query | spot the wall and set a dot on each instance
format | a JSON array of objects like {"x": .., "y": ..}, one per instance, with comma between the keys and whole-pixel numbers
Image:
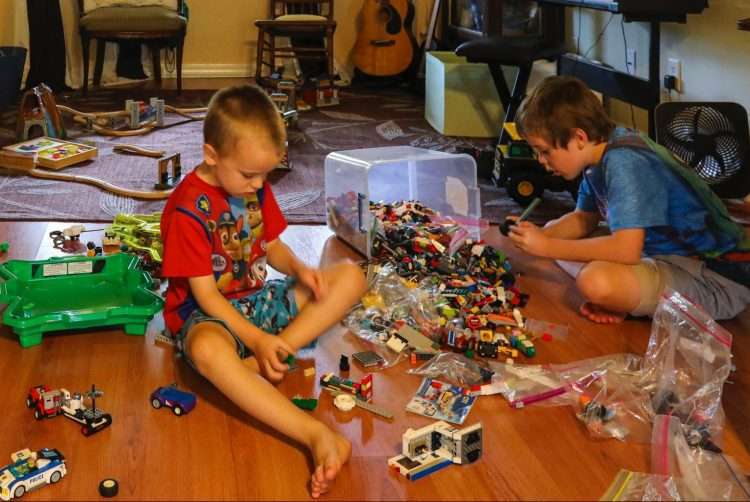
[
  {"x": 221, "y": 38},
  {"x": 714, "y": 53}
]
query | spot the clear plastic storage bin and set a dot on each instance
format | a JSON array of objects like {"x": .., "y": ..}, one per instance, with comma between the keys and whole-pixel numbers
[{"x": 442, "y": 181}]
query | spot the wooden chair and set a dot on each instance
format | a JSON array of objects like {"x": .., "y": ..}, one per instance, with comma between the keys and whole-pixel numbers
[
  {"x": 295, "y": 18},
  {"x": 156, "y": 26}
]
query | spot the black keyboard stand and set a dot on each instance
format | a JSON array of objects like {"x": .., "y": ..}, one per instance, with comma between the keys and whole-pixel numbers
[
  {"x": 637, "y": 91},
  {"x": 643, "y": 93}
]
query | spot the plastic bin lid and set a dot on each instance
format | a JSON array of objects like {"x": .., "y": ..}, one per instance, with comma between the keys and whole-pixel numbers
[{"x": 390, "y": 154}]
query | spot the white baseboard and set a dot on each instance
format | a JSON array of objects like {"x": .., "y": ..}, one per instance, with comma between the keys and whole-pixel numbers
[{"x": 207, "y": 70}]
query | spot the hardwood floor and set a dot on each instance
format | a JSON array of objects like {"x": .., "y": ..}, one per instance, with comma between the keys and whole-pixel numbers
[{"x": 218, "y": 452}]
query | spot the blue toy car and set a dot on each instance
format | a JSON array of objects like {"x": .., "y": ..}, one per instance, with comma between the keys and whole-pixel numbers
[{"x": 180, "y": 401}]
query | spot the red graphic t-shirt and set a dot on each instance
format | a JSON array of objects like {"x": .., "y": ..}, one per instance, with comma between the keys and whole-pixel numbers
[{"x": 206, "y": 231}]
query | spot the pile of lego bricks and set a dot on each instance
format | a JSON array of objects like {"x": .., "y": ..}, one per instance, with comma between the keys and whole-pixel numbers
[{"x": 478, "y": 298}]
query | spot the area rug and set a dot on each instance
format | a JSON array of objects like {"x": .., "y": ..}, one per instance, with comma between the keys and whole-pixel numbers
[{"x": 365, "y": 118}]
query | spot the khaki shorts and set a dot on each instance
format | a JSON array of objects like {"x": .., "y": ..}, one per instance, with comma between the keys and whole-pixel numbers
[{"x": 720, "y": 297}]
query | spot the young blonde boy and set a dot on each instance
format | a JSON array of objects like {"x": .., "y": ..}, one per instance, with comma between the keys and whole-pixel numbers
[
  {"x": 661, "y": 220},
  {"x": 220, "y": 227}
]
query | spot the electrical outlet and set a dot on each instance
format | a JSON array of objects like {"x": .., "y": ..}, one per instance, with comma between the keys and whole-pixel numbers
[
  {"x": 630, "y": 62},
  {"x": 674, "y": 68}
]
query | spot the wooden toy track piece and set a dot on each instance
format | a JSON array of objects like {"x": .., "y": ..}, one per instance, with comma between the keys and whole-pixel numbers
[
  {"x": 25, "y": 164},
  {"x": 188, "y": 112},
  {"x": 105, "y": 131},
  {"x": 138, "y": 150},
  {"x": 98, "y": 121}
]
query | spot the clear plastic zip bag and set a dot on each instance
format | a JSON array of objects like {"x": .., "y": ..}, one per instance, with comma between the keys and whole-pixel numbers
[
  {"x": 687, "y": 362},
  {"x": 705, "y": 475},
  {"x": 605, "y": 393},
  {"x": 629, "y": 485},
  {"x": 456, "y": 369},
  {"x": 526, "y": 384}
]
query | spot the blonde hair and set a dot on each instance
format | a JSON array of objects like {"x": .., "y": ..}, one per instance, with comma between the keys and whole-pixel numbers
[
  {"x": 558, "y": 106},
  {"x": 237, "y": 106}
]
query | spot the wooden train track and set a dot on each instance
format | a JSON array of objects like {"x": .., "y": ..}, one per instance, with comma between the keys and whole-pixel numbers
[{"x": 26, "y": 165}]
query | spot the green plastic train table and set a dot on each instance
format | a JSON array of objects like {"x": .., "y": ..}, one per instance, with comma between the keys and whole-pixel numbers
[{"x": 76, "y": 293}]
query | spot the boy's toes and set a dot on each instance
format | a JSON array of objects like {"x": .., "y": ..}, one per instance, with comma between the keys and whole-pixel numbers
[
  {"x": 600, "y": 315},
  {"x": 317, "y": 487}
]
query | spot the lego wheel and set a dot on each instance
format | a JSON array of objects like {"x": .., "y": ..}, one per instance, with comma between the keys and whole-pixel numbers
[
  {"x": 29, "y": 402},
  {"x": 55, "y": 477},
  {"x": 108, "y": 487},
  {"x": 19, "y": 491},
  {"x": 86, "y": 430},
  {"x": 177, "y": 410},
  {"x": 38, "y": 415},
  {"x": 156, "y": 403},
  {"x": 524, "y": 188}
]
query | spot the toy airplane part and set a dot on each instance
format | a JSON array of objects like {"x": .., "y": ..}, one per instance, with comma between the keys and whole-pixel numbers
[
  {"x": 26, "y": 164},
  {"x": 426, "y": 450}
]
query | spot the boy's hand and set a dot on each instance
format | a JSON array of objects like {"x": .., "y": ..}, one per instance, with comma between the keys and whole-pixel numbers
[
  {"x": 529, "y": 238},
  {"x": 313, "y": 279},
  {"x": 270, "y": 352}
]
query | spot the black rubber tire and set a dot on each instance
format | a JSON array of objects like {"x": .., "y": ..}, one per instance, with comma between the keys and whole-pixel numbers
[
  {"x": 525, "y": 187},
  {"x": 108, "y": 487}
]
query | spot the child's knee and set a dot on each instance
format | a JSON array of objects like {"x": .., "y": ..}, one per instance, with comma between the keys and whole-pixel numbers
[
  {"x": 594, "y": 282},
  {"x": 205, "y": 343},
  {"x": 351, "y": 274}
]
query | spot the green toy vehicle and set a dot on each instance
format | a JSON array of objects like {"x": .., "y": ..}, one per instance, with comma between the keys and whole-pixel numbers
[{"x": 517, "y": 170}]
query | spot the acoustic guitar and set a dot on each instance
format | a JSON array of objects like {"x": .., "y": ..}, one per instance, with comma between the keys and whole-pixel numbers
[{"x": 385, "y": 45}]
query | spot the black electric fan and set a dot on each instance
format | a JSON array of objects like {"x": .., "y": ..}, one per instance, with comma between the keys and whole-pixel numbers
[{"x": 712, "y": 138}]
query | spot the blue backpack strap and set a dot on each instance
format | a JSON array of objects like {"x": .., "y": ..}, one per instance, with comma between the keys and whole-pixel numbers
[{"x": 719, "y": 220}]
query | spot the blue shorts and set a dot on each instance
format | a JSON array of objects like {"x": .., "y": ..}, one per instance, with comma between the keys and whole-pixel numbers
[{"x": 271, "y": 309}]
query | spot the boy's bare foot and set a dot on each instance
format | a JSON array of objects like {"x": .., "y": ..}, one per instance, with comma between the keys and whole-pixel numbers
[
  {"x": 601, "y": 315},
  {"x": 330, "y": 452}
]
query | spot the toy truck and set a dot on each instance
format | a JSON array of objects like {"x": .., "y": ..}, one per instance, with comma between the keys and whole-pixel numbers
[
  {"x": 30, "y": 470},
  {"x": 47, "y": 403},
  {"x": 517, "y": 170}
]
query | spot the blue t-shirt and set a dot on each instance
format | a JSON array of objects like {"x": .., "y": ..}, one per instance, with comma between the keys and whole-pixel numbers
[{"x": 633, "y": 188}]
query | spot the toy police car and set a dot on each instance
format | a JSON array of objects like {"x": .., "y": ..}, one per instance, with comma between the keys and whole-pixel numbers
[
  {"x": 30, "y": 470},
  {"x": 180, "y": 401}
]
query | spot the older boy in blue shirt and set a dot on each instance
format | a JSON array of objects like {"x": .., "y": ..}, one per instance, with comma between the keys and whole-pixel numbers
[{"x": 662, "y": 221}]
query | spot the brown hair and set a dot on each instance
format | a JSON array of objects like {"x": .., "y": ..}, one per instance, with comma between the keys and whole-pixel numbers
[
  {"x": 241, "y": 105},
  {"x": 558, "y": 106}
]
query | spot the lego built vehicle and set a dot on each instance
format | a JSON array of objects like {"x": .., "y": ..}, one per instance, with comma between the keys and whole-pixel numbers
[
  {"x": 517, "y": 170},
  {"x": 48, "y": 403},
  {"x": 180, "y": 401},
  {"x": 426, "y": 450},
  {"x": 30, "y": 470}
]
